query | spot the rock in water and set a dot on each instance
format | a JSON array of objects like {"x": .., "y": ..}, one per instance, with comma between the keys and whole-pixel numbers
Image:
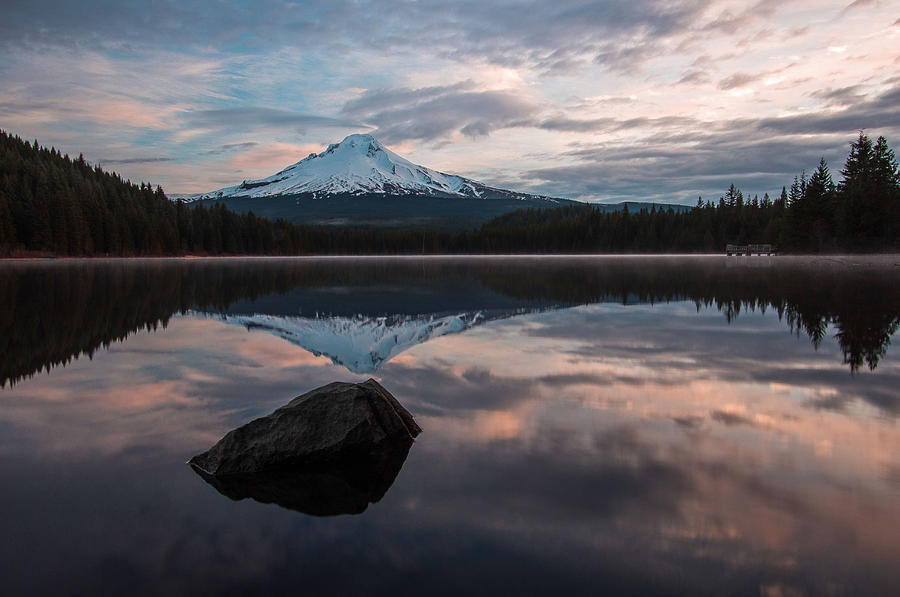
[
  {"x": 336, "y": 422},
  {"x": 330, "y": 451}
]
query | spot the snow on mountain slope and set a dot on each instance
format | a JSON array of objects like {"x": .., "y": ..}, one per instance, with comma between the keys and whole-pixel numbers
[{"x": 358, "y": 164}]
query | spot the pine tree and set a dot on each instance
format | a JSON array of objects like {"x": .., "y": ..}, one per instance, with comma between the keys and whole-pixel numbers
[
  {"x": 796, "y": 193},
  {"x": 855, "y": 222},
  {"x": 734, "y": 197},
  {"x": 887, "y": 193},
  {"x": 817, "y": 209}
]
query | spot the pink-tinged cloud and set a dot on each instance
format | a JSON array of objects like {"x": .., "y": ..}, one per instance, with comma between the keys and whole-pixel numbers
[
  {"x": 259, "y": 161},
  {"x": 500, "y": 108},
  {"x": 858, "y": 4}
]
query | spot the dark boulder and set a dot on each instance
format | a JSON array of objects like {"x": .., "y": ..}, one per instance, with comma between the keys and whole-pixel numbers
[{"x": 330, "y": 451}]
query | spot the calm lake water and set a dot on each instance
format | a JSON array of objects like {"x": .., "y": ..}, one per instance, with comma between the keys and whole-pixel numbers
[{"x": 634, "y": 426}]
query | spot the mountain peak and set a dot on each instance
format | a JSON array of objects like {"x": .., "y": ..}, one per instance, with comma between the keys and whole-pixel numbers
[
  {"x": 359, "y": 164},
  {"x": 359, "y": 139},
  {"x": 359, "y": 142}
]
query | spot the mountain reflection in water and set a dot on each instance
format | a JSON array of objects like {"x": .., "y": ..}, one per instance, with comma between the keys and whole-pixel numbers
[
  {"x": 53, "y": 312},
  {"x": 635, "y": 425}
]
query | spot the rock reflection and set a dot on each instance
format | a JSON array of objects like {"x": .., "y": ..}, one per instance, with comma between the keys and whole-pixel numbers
[{"x": 342, "y": 488}]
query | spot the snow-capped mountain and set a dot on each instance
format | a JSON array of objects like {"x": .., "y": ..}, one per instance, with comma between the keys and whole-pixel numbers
[{"x": 359, "y": 165}]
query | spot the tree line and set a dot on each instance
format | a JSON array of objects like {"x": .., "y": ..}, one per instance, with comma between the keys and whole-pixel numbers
[
  {"x": 814, "y": 215},
  {"x": 50, "y": 203},
  {"x": 53, "y": 204}
]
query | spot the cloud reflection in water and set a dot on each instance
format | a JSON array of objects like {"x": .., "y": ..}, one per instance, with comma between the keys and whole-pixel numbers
[{"x": 650, "y": 449}]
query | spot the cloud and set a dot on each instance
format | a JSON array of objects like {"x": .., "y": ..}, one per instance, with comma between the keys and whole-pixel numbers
[
  {"x": 738, "y": 80},
  {"x": 694, "y": 76},
  {"x": 760, "y": 36},
  {"x": 880, "y": 112},
  {"x": 842, "y": 96},
  {"x": 627, "y": 58},
  {"x": 133, "y": 24},
  {"x": 251, "y": 117},
  {"x": 436, "y": 113},
  {"x": 856, "y": 5},
  {"x": 229, "y": 147},
  {"x": 704, "y": 157},
  {"x": 688, "y": 422},
  {"x": 562, "y": 123},
  {"x": 731, "y": 23},
  {"x": 553, "y": 37},
  {"x": 729, "y": 418},
  {"x": 741, "y": 79},
  {"x": 608, "y": 100},
  {"x": 176, "y": 79},
  {"x": 705, "y": 166},
  {"x": 148, "y": 160},
  {"x": 258, "y": 159},
  {"x": 381, "y": 98}
]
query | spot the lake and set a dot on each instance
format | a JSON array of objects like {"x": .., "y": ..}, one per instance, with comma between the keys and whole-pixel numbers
[{"x": 621, "y": 425}]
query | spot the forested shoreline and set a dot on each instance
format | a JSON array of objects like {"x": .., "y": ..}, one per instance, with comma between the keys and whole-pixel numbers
[{"x": 52, "y": 204}]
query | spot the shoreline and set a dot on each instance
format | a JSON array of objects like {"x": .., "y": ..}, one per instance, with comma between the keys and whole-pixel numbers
[{"x": 868, "y": 257}]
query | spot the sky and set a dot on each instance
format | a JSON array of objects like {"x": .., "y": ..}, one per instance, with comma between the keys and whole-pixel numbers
[{"x": 604, "y": 101}]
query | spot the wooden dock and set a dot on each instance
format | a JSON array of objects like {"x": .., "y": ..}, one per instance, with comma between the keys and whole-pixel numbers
[{"x": 749, "y": 250}]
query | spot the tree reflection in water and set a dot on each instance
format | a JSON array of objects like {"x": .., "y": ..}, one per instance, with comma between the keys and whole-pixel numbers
[{"x": 52, "y": 312}]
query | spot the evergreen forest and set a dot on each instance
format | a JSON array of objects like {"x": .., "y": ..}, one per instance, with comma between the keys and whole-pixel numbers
[{"x": 51, "y": 204}]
